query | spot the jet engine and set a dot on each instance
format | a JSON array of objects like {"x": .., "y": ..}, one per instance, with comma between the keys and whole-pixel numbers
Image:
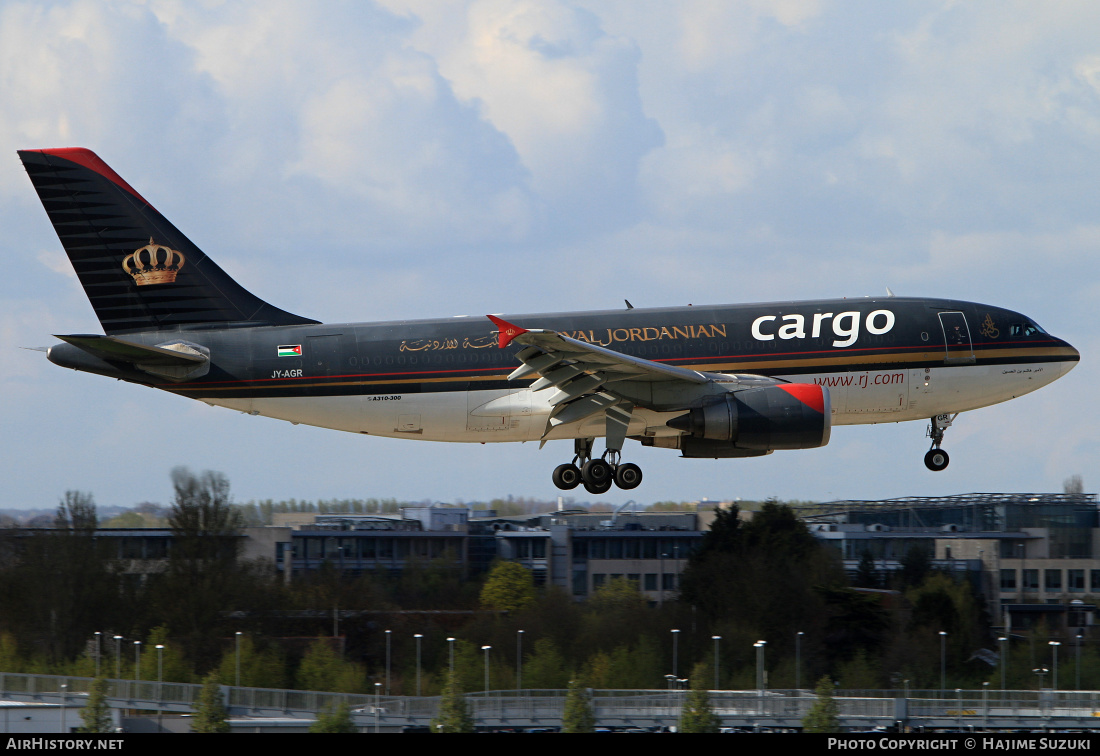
[{"x": 783, "y": 416}]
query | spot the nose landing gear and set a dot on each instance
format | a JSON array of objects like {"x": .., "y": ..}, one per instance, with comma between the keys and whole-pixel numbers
[{"x": 937, "y": 459}]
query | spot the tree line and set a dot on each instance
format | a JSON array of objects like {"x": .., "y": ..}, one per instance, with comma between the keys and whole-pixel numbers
[{"x": 64, "y": 598}]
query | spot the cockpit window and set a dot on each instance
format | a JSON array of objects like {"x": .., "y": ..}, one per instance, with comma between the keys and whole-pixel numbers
[{"x": 1026, "y": 328}]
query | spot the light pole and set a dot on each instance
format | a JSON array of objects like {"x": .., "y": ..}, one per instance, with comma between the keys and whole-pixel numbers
[
  {"x": 1077, "y": 681},
  {"x": 418, "y": 636},
  {"x": 137, "y": 661},
  {"x": 98, "y": 639},
  {"x": 798, "y": 660},
  {"x": 1004, "y": 659},
  {"x": 160, "y": 680},
  {"x": 1054, "y": 645},
  {"x": 377, "y": 704},
  {"x": 519, "y": 661},
  {"x": 238, "y": 659},
  {"x": 985, "y": 705},
  {"x": 943, "y": 662},
  {"x": 675, "y": 652},
  {"x": 716, "y": 638},
  {"x": 118, "y": 657},
  {"x": 64, "y": 696},
  {"x": 451, "y": 643},
  {"x": 759, "y": 646},
  {"x": 486, "y": 650},
  {"x": 389, "y": 634}
]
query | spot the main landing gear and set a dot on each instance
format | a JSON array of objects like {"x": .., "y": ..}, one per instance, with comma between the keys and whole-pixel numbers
[
  {"x": 937, "y": 459},
  {"x": 596, "y": 475}
]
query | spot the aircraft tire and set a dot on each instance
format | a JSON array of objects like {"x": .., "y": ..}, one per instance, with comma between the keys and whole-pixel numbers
[
  {"x": 597, "y": 472},
  {"x": 936, "y": 459},
  {"x": 567, "y": 476},
  {"x": 598, "y": 488},
  {"x": 628, "y": 476}
]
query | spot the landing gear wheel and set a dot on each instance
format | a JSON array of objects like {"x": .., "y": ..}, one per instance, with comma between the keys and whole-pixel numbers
[
  {"x": 936, "y": 459},
  {"x": 628, "y": 476},
  {"x": 597, "y": 472},
  {"x": 598, "y": 488},
  {"x": 567, "y": 476}
]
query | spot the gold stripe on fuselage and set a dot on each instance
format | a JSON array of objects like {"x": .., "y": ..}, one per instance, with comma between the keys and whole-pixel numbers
[{"x": 799, "y": 365}]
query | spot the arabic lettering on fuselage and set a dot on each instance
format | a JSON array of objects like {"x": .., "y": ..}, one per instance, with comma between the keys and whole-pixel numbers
[{"x": 435, "y": 345}]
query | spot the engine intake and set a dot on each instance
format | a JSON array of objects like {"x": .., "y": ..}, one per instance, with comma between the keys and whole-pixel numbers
[{"x": 784, "y": 416}]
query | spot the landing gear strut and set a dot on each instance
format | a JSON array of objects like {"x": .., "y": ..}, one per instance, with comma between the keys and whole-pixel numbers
[
  {"x": 597, "y": 474},
  {"x": 937, "y": 459}
]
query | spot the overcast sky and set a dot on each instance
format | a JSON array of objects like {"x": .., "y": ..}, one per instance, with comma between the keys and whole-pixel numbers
[{"x": 360, "y": 161}]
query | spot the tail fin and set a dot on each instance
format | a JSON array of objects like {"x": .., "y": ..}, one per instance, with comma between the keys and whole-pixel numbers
[{"x": 138, "y": 270}]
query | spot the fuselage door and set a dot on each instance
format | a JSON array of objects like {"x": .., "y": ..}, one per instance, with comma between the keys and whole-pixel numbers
[
  {"x": 326, "y": 355},
  {"x": 956, "y": 335}
]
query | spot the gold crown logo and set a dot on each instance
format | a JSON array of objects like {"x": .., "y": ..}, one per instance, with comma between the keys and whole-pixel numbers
[{"x": 153, "y": 264}]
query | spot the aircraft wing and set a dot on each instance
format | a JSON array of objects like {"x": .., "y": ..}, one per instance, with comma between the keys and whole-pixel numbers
[{"x": 585, "y": 375}]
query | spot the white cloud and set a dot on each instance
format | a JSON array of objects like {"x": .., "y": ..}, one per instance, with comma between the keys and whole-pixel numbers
[
  {"x": 562, "y": 90},
  {"x": 410, "y": 157}
]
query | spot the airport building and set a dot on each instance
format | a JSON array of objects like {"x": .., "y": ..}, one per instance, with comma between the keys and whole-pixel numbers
[
  {"x": 1031, "y": 556},
  {"x": 573, "y": 549}
]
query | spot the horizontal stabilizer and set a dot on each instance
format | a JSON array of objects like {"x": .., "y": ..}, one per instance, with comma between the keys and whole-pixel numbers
[{"x": 114, "y": 349}]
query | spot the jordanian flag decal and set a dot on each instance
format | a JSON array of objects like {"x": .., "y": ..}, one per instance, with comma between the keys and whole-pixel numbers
[{"x": 290, "y": 350}]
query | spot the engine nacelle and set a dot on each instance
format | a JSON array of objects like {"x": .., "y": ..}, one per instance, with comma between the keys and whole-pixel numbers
[{"x": 783, "y": 416}]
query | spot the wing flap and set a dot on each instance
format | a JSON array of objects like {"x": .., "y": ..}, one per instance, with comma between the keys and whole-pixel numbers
[{"x": 590, "y": 379}]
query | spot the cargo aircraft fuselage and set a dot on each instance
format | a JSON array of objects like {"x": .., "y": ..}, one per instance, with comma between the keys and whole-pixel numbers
[{"x": 711, "y": 381}]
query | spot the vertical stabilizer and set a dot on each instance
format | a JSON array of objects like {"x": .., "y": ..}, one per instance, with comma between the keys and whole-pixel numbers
[{"x": 139, "y": 272}]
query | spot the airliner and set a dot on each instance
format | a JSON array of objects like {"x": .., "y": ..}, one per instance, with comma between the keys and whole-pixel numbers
[{"x": 718, "y": 381}]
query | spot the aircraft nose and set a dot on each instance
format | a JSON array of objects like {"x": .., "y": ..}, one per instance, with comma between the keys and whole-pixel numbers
[{"x": 1073, "y": 357}]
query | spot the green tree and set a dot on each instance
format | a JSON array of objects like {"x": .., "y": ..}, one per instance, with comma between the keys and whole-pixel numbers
[
  {"x": 210, "y": 712},
  {"x": 169, "y": 662},
  {"x": 546, "y": 667},
  {"x": 915, "y": 567},
  {"x": 763, "y": 577},
  {"x": 614, "y": 615},
  {"x": 336, "y": 719},
  {"x": 96, "y": 714},
  {"x": 204, "y": 578},
  {"x": 942, "y": 603},
  {"x": 509, "y": 587},
  {"x": 60, "y": 585},
  {"x": 203, "y": 518},
  {"x": 259, "y": 669},
  {"x": 637, "y": 666},
  {"x": 323, "y": 669},
  {"x": 578, "y": 715},
  {"x": 698, "y": 715},
  {"x": 866, "y": 574},
  {"x": 823, "y": 716},
  {"x": 454, "y": 714}
]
